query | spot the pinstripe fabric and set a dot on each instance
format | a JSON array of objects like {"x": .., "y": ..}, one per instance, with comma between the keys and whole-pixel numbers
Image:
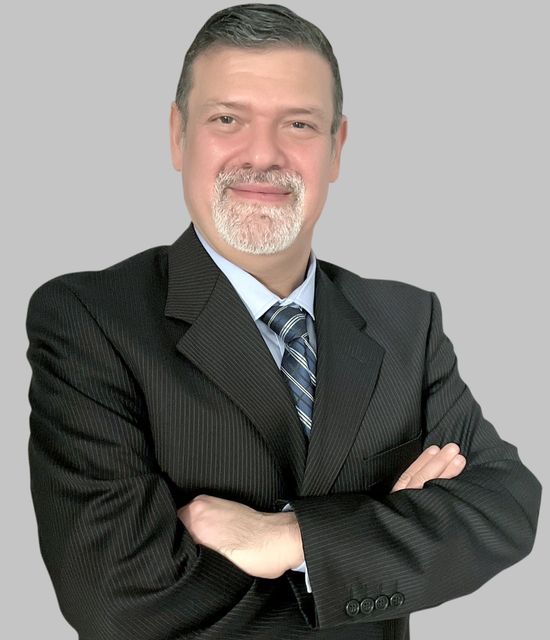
[
  {"x": 299, "y": 360},
  {"x": 141, "y": 399}
]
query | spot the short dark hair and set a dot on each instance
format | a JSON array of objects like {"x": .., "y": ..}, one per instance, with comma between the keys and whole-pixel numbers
[{"x": 260, "y": 26}]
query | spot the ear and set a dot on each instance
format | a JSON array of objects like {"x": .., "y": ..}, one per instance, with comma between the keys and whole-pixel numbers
[
  {"x": 339, "y": 139},
  {"x": 176, "y": 137}
]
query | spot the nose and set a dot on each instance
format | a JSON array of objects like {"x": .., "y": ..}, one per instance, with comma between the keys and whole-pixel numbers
[{"x": 263, "y": 150}]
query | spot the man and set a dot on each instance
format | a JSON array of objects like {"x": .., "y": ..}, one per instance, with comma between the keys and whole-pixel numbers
[{"x": 233, "y": 439}]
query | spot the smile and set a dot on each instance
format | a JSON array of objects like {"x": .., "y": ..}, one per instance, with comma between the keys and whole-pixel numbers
[{"x": 260, "y": 192}]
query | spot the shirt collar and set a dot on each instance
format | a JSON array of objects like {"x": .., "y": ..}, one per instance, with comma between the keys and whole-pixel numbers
[{"x": 256, "y": 296}]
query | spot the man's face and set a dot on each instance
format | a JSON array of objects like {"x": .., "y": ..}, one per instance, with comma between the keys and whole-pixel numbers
[{"x": 257, "y": 154}]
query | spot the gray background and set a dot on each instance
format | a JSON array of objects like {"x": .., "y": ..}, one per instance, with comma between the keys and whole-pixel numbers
[{"x": 444, "y": 185}]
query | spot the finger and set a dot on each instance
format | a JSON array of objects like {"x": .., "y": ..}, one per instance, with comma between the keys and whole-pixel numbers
[
  {"x": 415, "y": 467},
  {"x": 454, "y": 468},
  {"x": 435, "y": 467}
]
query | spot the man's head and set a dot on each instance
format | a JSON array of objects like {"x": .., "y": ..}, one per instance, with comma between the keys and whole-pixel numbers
[
  {"x": 257, "y": 128},
  {"x": 257, "y": 26}
]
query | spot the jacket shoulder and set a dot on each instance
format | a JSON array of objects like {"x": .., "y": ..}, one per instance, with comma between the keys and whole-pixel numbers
[
  {"x": 366, "y": 293},
  {"x": 397, "y": 314},
  {"x": 139, "y": 274}
]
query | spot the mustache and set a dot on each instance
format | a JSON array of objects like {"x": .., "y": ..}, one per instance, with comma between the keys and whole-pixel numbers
[{"x": 289, "y": 180}]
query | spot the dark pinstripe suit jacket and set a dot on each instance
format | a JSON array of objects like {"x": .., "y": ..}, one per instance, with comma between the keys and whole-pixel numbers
[{"x": 151, "y": 384}]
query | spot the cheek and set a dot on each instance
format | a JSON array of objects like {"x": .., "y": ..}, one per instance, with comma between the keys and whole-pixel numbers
[
  {"x": 208, "y": 152},
  {"x": 317, "y": 182},
  {"x": 200, "y": 171},
  {"x": 313, "y": 162}
]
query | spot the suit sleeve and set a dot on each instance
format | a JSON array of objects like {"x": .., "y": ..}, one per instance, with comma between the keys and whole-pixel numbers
[
  {"x": 431, "y": 545},
  {"x": 122, "y": 564}
]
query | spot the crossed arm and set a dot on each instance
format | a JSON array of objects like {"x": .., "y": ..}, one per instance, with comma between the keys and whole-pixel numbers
[
  {"x": 123, "y": 566},
  {"x": 265, "y": 545}
]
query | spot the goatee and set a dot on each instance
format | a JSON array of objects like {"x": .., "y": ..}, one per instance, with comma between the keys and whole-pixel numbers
[{"x": 254, "y": 227}]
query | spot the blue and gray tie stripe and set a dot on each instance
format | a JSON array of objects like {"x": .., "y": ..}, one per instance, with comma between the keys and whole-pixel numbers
[{"x": 299, "y": 360}]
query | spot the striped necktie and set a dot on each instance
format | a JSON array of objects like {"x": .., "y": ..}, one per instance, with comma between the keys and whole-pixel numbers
[{"x": 299, "y": 360}]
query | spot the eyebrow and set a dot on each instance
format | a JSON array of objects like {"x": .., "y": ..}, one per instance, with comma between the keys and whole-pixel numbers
[{"x": 242, "y": 106}]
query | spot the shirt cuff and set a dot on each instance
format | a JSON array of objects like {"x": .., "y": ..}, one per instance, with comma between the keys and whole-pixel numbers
[{"x": 302, "y": 567}]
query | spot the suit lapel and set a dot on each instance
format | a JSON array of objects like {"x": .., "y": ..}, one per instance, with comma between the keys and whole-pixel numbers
[
  {"x": 225, "y": 344},
  {"x": 348, "y": 363}
]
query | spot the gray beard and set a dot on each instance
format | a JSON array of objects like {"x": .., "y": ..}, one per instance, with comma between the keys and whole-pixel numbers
[{"x": 253, "y": 227}]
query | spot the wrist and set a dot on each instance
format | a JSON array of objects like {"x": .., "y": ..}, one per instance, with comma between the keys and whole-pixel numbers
[
  {"x": 283, "y": 528},
  {"x": 296, "y": 545}
]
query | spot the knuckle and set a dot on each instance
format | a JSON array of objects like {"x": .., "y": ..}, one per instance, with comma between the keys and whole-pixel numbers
[
  {"x": 404, "y": 478},
  {"x": 417, "y": 482},
  {"x": 421, "y": 477}
]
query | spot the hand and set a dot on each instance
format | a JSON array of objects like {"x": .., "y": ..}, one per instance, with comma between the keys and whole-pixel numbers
[
  {"x": 433, "y": 463},
  {"x": 264, "y": 545}
]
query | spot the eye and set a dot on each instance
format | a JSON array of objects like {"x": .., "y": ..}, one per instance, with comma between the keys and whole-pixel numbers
[
  {"x": 300, "y": 125},
  {"x": 226, "y": 119}
]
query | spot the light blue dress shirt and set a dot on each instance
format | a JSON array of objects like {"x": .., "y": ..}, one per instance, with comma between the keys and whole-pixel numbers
[{"x": 258, "y": 299}]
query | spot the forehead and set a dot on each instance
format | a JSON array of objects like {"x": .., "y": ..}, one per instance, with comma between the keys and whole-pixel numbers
[{"x": 274, "y": 75}]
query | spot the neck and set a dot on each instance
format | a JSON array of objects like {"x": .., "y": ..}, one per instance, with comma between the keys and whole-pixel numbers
[
  {"x": 279, "y": 272},
  {"x": 279, "y": 277}
]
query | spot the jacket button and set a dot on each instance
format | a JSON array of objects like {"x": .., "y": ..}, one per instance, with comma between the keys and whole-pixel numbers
[
  {"x": 367, "y": 606},
  {"x": 352, "y": 608},
  {"x": 397, "y": 599},
  {"x": 382, "y": 602}
]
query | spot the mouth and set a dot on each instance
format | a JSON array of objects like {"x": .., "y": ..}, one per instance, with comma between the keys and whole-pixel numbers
[{"x": 262, "y": 192}]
